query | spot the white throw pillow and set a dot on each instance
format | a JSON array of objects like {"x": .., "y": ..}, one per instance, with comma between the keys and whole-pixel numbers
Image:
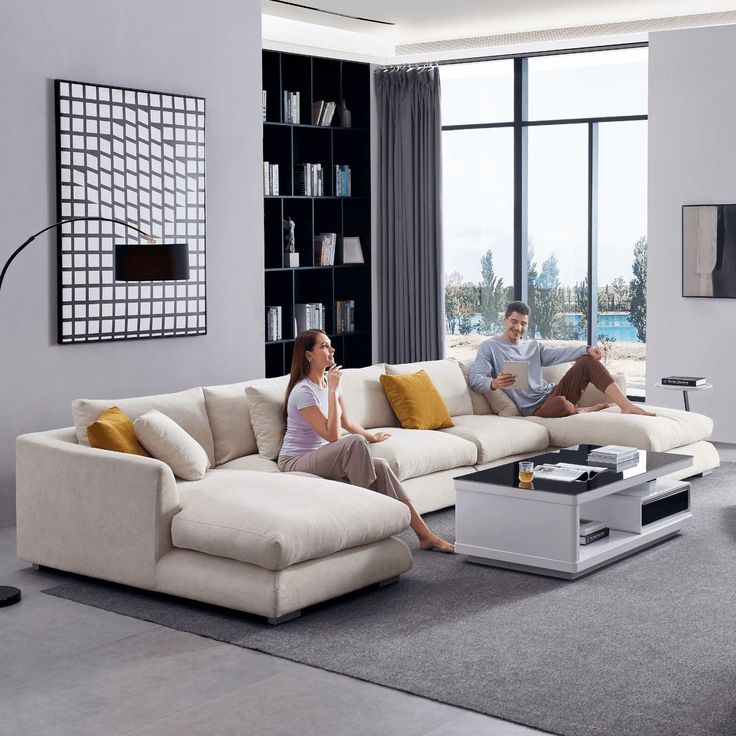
[
  {"x": 266, "y": 403},
  {"x": 165, "y": 440}
]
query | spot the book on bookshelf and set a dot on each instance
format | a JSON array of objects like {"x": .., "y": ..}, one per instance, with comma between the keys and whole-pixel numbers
[
  {"x": 270, "y": 178},
  {"x": 310, "y": 180},
  {"x": 344, "y": 316},
  {"x": 342, "y": 180},
  {"x": 324, "y": 249},
  {"x": 291, "y": 107},
  {"x": 691, "y": 381},
  {"x": 310, "y": 316},
  {"x": 318, "y": 108},
  {"x": 273, "y": 323}
]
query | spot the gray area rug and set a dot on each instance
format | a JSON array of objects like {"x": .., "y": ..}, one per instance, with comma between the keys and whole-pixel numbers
[{"x": 646, "y": 646}]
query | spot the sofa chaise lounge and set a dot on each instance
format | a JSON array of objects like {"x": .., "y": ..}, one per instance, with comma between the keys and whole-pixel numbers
[{"x": 250, "y": 538}]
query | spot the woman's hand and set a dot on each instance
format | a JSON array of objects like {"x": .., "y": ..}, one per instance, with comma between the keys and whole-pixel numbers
[
  {"x": 334, "y": 376},
  {"x": 377, "y": 437}
]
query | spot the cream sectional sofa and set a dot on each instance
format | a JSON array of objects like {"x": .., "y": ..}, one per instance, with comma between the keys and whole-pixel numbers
[{"x": 250, "y": 538}]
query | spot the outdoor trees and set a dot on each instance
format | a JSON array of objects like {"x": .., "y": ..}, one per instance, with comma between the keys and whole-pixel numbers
[
  {"x": 461, "y": 303},
  {"x": 638, "y": 290},
  {"x": 492, "y": 296}
]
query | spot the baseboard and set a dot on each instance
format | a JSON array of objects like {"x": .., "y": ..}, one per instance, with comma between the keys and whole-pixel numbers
[{"x": 726, "y": 451}]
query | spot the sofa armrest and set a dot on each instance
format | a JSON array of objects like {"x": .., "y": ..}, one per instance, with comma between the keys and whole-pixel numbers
[{"x": 94, "y": 512}]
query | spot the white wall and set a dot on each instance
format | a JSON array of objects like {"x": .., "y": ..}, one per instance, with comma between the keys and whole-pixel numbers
[
  {"x": 208, "y": 49},
  {"x": 692, "y": 160}
]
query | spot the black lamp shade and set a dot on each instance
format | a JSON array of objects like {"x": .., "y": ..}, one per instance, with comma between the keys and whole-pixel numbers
[{"x": 151, "y": 262}]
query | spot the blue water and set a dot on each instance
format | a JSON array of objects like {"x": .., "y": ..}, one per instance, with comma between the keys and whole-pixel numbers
[{"x": 616, "y": 326}]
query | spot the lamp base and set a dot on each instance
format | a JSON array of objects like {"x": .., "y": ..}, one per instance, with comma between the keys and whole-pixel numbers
[{"x": 8, "y": 595}]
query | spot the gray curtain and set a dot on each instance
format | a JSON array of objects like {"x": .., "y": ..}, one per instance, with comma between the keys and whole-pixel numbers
[{"x": 409, "y": 253}]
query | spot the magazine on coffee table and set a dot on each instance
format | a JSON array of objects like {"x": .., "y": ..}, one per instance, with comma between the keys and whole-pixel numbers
[{"x": 567, "y": 472}]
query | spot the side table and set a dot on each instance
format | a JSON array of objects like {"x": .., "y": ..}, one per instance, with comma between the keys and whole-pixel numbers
[{"x": 684, "y": 390}]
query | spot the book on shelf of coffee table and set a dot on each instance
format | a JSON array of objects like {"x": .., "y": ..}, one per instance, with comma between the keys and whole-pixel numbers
[
  {"x": 592, "y": 531},
  {"x": 687, "y": 381}
]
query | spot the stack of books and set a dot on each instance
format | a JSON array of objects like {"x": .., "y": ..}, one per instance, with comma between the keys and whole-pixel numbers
[
  {"x": 614, "y": 456},
  {"x": 344, "y": 316},
  {"x": 324, "y": 249},
  {"x": 310, "y": 180},
  {"x": 273, "y": 323},
  {"x": 265, "y": 97},
  {"x": 309, "y": 317},
  {"x": 270, "y": 178},
  {"x": 322, "y": 112},
  {"x": 291, "y": 107},
  {"x": 592, "y": 531},
  {"x": 342, "y": 180},
  {"x": 687, "y": 381}
]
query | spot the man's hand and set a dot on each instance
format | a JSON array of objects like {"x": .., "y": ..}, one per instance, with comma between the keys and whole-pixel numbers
[
  {"x": 503, "y": 380},
  {"x": 596, "y": 352}
]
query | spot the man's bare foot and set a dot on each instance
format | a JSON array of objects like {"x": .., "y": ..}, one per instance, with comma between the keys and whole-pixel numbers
[
  {"x": 437, "y": 543},
  {"x": 595, "y": 407},
  {"x": 634, "y": 409}
]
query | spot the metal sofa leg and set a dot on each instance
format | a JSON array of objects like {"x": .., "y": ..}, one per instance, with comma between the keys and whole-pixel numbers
[
  {"x": 389, "y": 581},
  {"x": 283, "y": 619}
]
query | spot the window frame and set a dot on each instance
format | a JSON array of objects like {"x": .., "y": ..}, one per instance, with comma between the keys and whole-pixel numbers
[{"x": 520, "y": 127}]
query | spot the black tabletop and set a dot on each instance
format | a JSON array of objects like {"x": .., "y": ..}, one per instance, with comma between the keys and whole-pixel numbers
[{"x": 508, "y": 475}]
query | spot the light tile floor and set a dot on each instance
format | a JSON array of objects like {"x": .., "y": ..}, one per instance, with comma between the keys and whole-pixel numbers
[{"x": 72, "y": 670}]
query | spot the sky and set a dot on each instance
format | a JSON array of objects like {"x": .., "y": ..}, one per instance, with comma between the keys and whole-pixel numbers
[{"x": 478, "y": 164}]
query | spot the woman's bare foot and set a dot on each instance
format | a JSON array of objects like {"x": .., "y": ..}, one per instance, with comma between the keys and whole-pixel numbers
[
  {"x": 437, "y": 543},
  {"x": 634, "y": 409},
  {"x": 595, "y": 407}
]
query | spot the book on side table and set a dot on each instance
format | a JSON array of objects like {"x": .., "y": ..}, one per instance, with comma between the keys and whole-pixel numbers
[{"x": 687, "y": 381}]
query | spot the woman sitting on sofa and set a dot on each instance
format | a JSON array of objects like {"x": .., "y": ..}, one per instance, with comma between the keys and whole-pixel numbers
[{"x": 315, "y": 411}]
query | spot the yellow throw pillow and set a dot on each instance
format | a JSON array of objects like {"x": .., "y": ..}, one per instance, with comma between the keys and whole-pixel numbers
[
  {"x": 113, "y": 430},
  {"x": 415, "y": 401}
]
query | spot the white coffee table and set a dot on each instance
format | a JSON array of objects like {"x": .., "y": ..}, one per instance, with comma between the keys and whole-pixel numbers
[{"x": 501, "y": 524}]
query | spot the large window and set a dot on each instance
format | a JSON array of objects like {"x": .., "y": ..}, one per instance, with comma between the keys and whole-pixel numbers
[{"x": 545, "y": 199}]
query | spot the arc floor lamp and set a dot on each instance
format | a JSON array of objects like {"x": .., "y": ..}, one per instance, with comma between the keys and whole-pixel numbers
[{"x": 151, "y": 261}]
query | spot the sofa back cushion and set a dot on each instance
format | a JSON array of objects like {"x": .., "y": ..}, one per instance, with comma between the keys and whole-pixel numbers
[
  {"x": 364, "y": 397},
  {"x": 266, "y": 402},
  {"x": 230, "y": 422},
  {"x": 416, "y": 401},
  {"x": 447, "y": 378},
  {"x": 186, "y": 408},
  {"x": 478, "y": 401}
]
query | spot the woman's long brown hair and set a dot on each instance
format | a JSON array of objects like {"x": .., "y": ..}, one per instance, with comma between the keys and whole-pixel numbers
[{"x": 299, "y": 364}]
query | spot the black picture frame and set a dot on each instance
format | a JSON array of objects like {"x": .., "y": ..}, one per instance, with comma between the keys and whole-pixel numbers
[
  {"x": 709, "y": 251},
  {"x": 137, "y": 156}
]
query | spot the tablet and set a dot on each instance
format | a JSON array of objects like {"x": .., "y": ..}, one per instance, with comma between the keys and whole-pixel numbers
[{"x": 520, "y": 370}]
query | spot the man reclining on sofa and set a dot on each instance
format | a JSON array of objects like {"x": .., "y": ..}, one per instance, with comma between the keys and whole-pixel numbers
[{"x": 543, "y": 399}]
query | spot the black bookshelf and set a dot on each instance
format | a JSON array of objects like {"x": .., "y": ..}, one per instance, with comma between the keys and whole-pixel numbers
[{"x": 290, "y": 145}]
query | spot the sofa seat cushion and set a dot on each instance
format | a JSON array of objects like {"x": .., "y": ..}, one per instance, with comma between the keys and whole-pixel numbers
[
  {"x": 496, "y": 437},
  {"x": 275, "y": 520},
  {"x": 251, "y": 462},
  {"x": 415, "y": 452},
  {"x": 670, "y": 428}
]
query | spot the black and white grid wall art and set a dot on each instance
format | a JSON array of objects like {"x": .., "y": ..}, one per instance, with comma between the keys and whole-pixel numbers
[{"x": 138, "y": 157}]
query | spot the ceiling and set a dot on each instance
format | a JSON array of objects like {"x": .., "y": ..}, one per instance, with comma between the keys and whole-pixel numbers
[{"x": 412, "y": 26}]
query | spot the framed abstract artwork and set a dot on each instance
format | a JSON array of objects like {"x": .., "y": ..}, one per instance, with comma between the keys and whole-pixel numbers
[
  {"x": 709, "y": 250},
  {"x": 135, "y": 156}
]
